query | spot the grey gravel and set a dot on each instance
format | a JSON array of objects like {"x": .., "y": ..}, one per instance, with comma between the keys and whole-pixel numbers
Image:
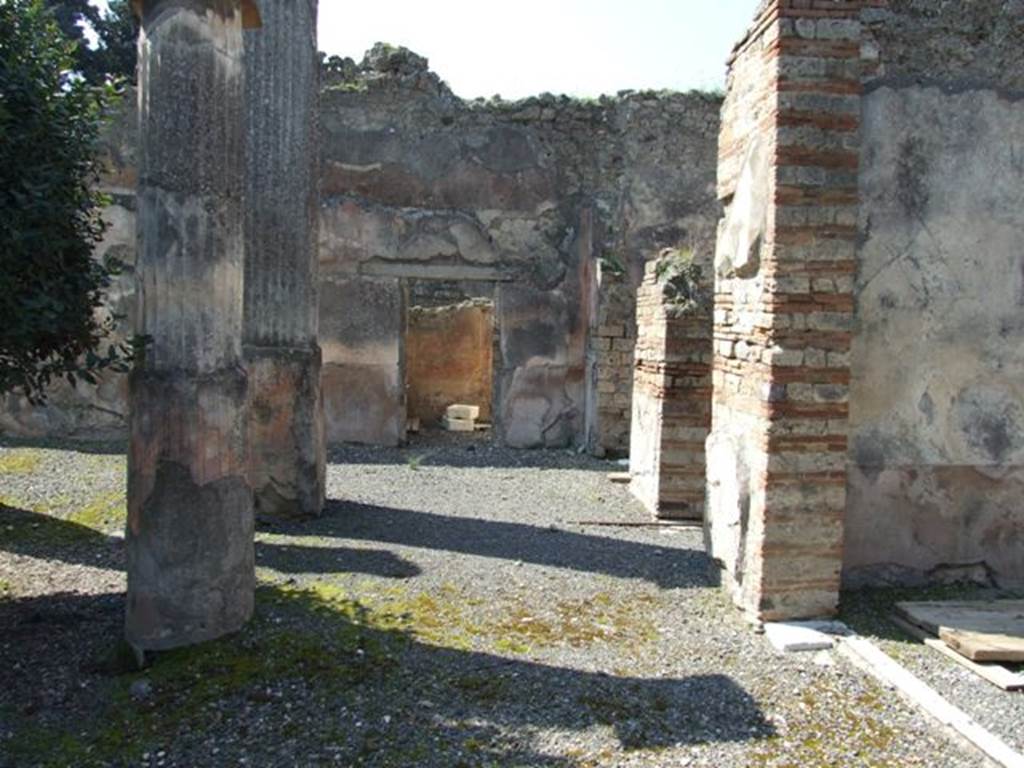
[
  {"x": 1001, "y": 712},
  {"x": 519, "y": 634}
]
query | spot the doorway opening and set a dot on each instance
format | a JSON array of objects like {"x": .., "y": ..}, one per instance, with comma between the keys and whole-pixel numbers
[{"x": 450, "y": 350}]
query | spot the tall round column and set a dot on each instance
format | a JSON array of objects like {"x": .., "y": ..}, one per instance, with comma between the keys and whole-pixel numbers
[
  {"x": 281, "y": 215},
  {"x": 191, "y": 574}
]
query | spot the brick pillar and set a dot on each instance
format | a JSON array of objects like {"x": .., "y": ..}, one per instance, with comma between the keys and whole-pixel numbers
[
  {"x": 611, "y": 342},
  {"x": 191, "y": 574},
  {"x": 789, "y": 153},
  {"x": 671, "y": 390},
  {"x": 281, "y": 269}
]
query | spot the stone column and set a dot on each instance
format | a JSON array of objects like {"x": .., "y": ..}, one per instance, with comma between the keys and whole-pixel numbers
[
  {"x": 281, "y": 299},
  {"x": 191, "y": 574}
]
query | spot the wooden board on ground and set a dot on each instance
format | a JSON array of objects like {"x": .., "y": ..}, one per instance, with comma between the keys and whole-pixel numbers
[
  {"x": 996, "y": 674},
  {"x": 619, "y": 477},
  {"x": 981, "y": 630}
]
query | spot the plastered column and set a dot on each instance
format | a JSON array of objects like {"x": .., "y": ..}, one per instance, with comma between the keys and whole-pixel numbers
[
  {"x": 281, "y": 303},
  {"x": 189, "y": 537}
]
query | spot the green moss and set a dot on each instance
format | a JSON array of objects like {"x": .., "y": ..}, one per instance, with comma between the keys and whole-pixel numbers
[
  {"x": 854, "y": 724},
  {"x": 578, "y": 623},
  {"x": 337, "y": 656},
  {"x": 20, "y": 461},
  {"x": 483, "y": 688},
  {"x": 434, "y": 618},
  {"x": 681, "y": 279},
  {"x": 444, "y": 618},
  {"x": 107, "y": 512},
  {"x": 510, "y": 646},
  {"x": 354, "y": 86}
]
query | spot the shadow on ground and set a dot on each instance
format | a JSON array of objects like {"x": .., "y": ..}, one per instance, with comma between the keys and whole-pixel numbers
[
  {"x": 437, "y": 448},
  {"x": 39, "y": 535},
  {"x": 668, "y": 567},
  {"x": 93, "y": 447},
  {"x": 357, "y": 686},
  {"x": 45, "y": 536}
]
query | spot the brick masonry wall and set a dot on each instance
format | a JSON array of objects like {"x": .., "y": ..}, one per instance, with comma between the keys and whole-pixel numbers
[
  {"x": 610, "y": 362},
  {"x": 671, "y": 402},
  {"x": 785, "y": 265}
]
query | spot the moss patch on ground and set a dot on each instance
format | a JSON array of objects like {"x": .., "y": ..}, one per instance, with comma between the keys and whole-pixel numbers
[
  {"x": 330, "y": 642},
  {"x": 106, "y": 513},
  {"x": 446, "y": 617},
  {"x": 20, "y": 461},
  {"x": 59, "y": 522},
  {"x": 855, "y": 725},
  {"x": 578, "y": 623}
]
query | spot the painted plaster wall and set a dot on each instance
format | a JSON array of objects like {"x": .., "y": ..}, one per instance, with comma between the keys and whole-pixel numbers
[
  {"x": 514, "y": 200},
  {"x": 449, "y": 359},
  {"x": 936, "y": 483}
]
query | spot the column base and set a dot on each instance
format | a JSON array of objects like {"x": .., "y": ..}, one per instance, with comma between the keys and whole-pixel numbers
[
  {"x": 286, "y": 433},
  {"x": 191, "y": 565}
]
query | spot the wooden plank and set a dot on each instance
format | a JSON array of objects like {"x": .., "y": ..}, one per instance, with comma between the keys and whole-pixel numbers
[
  {"x": 619, "y": 477},
  {"x": 638, "y": 524},
  {"x": 998, "y": 675},
  {"x": 981, "y": 630}
]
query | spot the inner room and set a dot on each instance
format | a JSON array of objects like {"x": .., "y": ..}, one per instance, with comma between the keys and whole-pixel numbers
[{"x": 450, "y": 340}]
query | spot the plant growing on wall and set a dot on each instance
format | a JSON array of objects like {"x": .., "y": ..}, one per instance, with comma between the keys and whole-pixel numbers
[
  {"x": 681, "y": 280},
  {"x": 51, "y": 321},
  {"x": 612, "y": 264}
]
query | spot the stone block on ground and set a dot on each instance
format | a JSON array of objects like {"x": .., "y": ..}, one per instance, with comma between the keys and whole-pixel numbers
[
  {"x": 801, "y": 636},
  {"x": 459, "y": 425},
  {"x": 463, "y": 412}
]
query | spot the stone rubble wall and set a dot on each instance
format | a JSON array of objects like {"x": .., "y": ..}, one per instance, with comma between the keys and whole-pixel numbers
[
  {"x": 671, "y": 402},
  {"x": 528, "y": 196},
  {"x": 420, "y": 187}
]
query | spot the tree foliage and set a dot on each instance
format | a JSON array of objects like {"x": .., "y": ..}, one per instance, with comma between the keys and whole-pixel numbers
[
  {"x": 51, "y": 319},
  {"x": 114, "y": 55}
]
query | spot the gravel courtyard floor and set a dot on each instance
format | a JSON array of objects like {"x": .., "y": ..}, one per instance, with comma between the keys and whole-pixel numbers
[{"x": 455, "y": 606}]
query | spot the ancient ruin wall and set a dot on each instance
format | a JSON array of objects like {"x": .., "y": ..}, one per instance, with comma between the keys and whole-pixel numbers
[
  {"x": 426, "y": 195},
  {"x": 672, "y": 387},
  {"x": 421, "y": 186},
  {"x": 449, "y": 359},
  {"x": 936, "y": 473},
  {"x": 783, "y": 308}
]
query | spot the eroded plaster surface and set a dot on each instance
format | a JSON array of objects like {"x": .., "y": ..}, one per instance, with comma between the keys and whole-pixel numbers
[{"x": 937, "y": 399}]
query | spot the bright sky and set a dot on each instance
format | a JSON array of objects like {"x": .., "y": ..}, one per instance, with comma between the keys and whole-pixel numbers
[{"x": 523, "y": 47}]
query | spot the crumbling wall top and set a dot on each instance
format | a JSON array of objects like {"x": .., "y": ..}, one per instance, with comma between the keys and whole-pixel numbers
[{"x": 950, "y": 42}]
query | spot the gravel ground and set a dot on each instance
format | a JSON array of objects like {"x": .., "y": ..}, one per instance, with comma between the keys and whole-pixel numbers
[
  {"x": 1000, "y": 711},
  {"x": 456, "y": 605}
]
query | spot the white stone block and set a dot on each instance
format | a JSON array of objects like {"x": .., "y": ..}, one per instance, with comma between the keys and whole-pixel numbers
[
  {"x": 797, "y": 637},
  {"x": 466, "y": 412},
  {"x": 459, "y": 425}
]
